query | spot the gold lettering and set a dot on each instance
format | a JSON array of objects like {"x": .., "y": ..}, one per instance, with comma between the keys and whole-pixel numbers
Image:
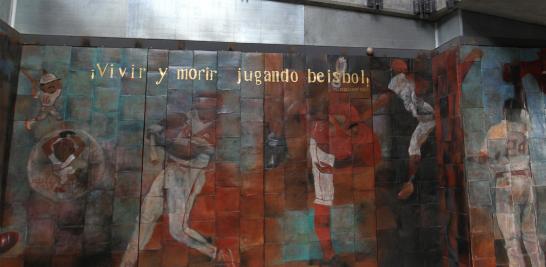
[
  {"x": 311, "y": 76},
  {"x": 247, "y": 76},
  {"x": 354, "y": 78},
  {"x": 294, "y": 77},
  {"x": 320, "y": 77},
  {"x": 122, "y": 72},
  {"x": 102, "y": 71},
  {"x": 275, "y": 74},
  {"x": 212, "y": 72},
  {"x": 192, "y": 74},
  {"x": 337, "y": 77},
  {"x": 181, "y": 74},
  {"x": 258, "y": 76},
  {"x": 141, "y": 70},
  {"x": 284, "y": 75},
  {"x": 162, "y": 73},
  {"x": 346, "y": 77}
]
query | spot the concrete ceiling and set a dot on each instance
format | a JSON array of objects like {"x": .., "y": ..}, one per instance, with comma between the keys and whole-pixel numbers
[{"x": 532, "y": 11}]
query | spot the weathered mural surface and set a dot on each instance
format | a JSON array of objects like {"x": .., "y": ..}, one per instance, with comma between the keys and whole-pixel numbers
[
  {"x": 503, "y": 110},
  {"x": 147, "y": 169},
  {"x": 117, "y": 161}
]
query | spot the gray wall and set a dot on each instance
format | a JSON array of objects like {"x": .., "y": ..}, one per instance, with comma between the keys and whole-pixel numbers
[
  {"x": 5, "y": 9},
  {"x": 492, "y": 27},
  {"x": 244, "y": 21},
  {"x": 448, "y": 28},
  {"x": 251, "y": 21},
  {"x": 259, "y": 21},
  {"x": 332, "y": 27}
]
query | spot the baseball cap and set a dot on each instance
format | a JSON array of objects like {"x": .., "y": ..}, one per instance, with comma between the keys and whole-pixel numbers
[{"x": 47, "y": 78}]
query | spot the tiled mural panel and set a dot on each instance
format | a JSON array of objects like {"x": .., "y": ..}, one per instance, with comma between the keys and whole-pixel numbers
[
  {"x": 503, "y": 113},
  {"x": 128, "y": 171}
]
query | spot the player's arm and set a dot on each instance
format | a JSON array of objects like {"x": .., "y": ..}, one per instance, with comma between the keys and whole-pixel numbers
[
  {"x": 33, "y": 82},
  {"x": 151, "y": 133},
  {"x": 47, "y": 147},
  {"x": 468, "y": 61},
  {"x": 382, "y": 101}
]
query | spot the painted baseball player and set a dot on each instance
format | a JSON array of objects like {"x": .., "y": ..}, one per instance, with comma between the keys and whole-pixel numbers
[
  {"x": 331, "y": 147},
  {"x": 50, "y": 90},
  {"x": 403, "y": 85},
  {"x": 409, "y": 89},
  {"x": 63, "y": 152},
  {"x": 187, "y": 141},
  {"x": 506, "y": 150}
]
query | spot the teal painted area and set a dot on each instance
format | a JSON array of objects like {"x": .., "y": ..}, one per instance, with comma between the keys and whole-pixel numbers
[{"x": 301, "y": 242}]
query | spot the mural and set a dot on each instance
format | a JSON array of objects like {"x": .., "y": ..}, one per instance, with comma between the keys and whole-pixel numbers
[
  {"x": 503, "y": 111},
  {"x": 131, "y": 171},
  {"x": 437, "y": 161},
  {"x": 60, "y": 165},
  {"x": 447, "y": 72}
]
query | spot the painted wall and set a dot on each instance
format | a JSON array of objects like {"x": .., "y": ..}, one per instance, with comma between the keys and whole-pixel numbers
[
  {"x": 503, "y": 150},
  {"x": 252, "y": 163},
  {"x": 219, "y": 172},
  {"x": 450, "y": 159}
]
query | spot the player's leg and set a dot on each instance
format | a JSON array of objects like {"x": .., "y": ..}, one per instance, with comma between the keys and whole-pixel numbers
[
  {"x": 151, "y": 210},
  {"x": 529, "y": 228},
  {"x": 322, "y": 230},
  {"x": 198, "y": 178},
  {"x": 176, "y": 199},
  {"x": 507, "y": 213},
  {"x": 418, "y": 138},
  {"x": 324, "y": 195}
]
